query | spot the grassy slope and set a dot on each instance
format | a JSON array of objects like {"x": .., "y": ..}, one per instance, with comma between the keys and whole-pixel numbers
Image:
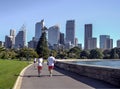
[{"x": 9, "y": 71}]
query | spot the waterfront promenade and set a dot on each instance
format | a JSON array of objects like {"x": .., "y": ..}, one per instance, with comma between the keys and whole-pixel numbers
[{"x": 61, "y": 79}]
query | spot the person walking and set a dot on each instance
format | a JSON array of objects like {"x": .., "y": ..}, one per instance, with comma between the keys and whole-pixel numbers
[
  {"x": 50, "y": 62},
  {"x": 40, "y": 63}
]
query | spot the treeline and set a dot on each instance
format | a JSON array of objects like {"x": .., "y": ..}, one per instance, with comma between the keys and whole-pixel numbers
[
  {"x": 21, "y": 54},
  {"x": 77, "y": 53},
  {"x": 73, "y": 53}
]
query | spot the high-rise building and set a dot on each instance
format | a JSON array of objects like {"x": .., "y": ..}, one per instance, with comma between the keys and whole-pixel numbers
[
  {"x": 70, "y": 31},
  {"x": 109, "y": 44},
  {"x": 8, "y": 41},
  {"x": 87, "y": 35},
  {"x": 80, "y": 46},
  {"x": 76, "y": 42},
  {"x": 118, "y": 43},
  {"x": 62, "y": 38},
  {"x": 69, "y": 45},
  {"x": 1, "y": 43},
  {"x": 54, "y": 35},
  {"x": 20, "y": 39},
  {"x": 38, "y": 32},
  {"x": 38, "y": 29},
  {"x": 12, "y": 33},
  {"x": 103, "y": 41},
  {"x": 92, "y": 43},
  {"x": 32, "y": 43}
]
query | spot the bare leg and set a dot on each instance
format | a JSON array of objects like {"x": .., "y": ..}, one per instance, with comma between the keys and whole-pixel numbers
[
  {"x": 50, "y": 71},
  {"x": 39, "y": 71},
  {"x": 34, "y": 65}
]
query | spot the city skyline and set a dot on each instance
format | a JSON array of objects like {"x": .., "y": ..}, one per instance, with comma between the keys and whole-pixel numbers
[
  {"x": 103, "y": 14},
  {"x": 89, "y": 41}
]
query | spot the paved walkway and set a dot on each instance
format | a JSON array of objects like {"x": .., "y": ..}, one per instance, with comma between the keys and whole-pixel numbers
[{"x": 61, "y": 79}]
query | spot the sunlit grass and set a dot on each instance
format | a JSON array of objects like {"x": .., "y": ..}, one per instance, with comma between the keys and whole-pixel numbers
[{"x": 9, "y": 71}]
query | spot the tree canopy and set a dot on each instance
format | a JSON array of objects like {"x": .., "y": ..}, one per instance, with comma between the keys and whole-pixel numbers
[
  {"x": 42, "y": 46},
  {"x": 96, "y": 54}
]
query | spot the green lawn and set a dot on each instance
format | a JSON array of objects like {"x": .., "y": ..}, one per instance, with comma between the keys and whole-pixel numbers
[{"x": 9, "y": 71}]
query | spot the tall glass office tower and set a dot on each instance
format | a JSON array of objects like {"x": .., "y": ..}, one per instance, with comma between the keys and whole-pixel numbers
[
  {"x": 106, "y": 42},
  {"x": 54, "y": 35},
  {"x": 87, "y": 35},
  {"x": 38, "y": 29},
  {"x": 70, "y": 31},
  {"x": 20, "y": 39}
]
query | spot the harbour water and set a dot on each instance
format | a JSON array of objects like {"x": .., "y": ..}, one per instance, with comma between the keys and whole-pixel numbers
[{"x": 109, "y": 63}]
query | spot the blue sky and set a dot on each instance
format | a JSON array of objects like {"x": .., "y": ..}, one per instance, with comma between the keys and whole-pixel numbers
[{"x": 103, "y": 14}]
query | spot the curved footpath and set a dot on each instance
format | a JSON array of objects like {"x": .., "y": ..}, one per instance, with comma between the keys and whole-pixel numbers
[
  {"x": 61, "y": 79},
  {"x": 18, "y": 82}
]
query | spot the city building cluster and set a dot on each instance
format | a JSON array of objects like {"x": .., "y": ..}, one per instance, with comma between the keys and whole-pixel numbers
[
  {"x": 15, "y": 41},
  {"x": 56, "y": 39}
]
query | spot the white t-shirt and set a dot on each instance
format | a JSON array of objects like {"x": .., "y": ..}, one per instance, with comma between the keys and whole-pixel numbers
[
  {"x": 35, "y": 59},
  {"x": 40, "y": 61},
  {"x": 51, "y": 61}
]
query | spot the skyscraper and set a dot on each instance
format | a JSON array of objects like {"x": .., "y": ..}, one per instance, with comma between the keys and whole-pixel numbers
[
  {"x": 1, "y": 43},
  {"x": 20, "y": 39},
  {"x": 62, "y": 38},
  {"x": 54, "y": 35},
  {"x": 92, "y": 43},
  {"x": 118, "y": 43},
  {"x": 12, "y": 33},
  {"x": 87, "y": 35},
  {"x": 38, "y": 29},
  {"x": 76, "y": 42},
  {"x": 80, "y": 46},
  {"x": 103, "y": 41},
  {"x": 70, "y": 31},
  {"x": 109, "y": 43},
  {"x": 8, "y": 41},
  {"x": 32, "y": 43}
]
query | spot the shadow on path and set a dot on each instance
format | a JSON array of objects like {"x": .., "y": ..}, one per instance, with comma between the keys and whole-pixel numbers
[
  {"x": 97, "y": 84},
  {"x": 29, "y": 76}
]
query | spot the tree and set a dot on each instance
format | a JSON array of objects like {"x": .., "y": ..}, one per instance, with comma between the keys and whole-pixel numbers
[
  {"x": 7, "y": 54},
  {"x": 84, "y": 54},
  {"x": 74, "y": 52},
  {"x": 61, "y": 54},
  {"x": 114, "y": 54},
  {"x": 118, "y": 51},
  {"x": 42, "y": 46},
  {"x": 106, "y": 54},
  {"x": 26, "y": 53},
  {"x": 2, "y": 49},
  {"x": 95, "y": 54},
  {"x": 54, "y": 52}
]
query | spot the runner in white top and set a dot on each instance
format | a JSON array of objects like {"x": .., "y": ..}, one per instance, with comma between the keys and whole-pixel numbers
[
  {"x": 50, "y": 61},
  {"x": 40, "y": 62}
]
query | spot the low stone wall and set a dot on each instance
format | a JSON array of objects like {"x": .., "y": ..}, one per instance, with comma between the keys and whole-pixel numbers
[{"x": 110, "y": 75}]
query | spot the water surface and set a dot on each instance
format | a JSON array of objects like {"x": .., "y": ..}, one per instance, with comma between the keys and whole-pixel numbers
[{"x": 108, "y": 63}]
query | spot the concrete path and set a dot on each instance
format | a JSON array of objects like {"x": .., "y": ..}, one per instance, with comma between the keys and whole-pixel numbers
[{"x": 61, "y": 79}]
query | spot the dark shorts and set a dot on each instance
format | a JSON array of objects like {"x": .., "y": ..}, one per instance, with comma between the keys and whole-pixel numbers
[
  {"x": 34, "y": 61},
  {"x": 50, "y": 67},
  {"x": 39, "y": 67}
]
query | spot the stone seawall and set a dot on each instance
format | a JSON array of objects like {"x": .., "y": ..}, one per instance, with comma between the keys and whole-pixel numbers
[{"x": 110, "y": 75}]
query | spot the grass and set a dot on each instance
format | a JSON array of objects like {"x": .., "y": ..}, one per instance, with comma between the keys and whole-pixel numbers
[{"x": 9, "y": 71}]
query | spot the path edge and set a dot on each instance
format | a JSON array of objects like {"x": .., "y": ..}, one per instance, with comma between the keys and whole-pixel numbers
[{"x": 18, "y": 82}]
